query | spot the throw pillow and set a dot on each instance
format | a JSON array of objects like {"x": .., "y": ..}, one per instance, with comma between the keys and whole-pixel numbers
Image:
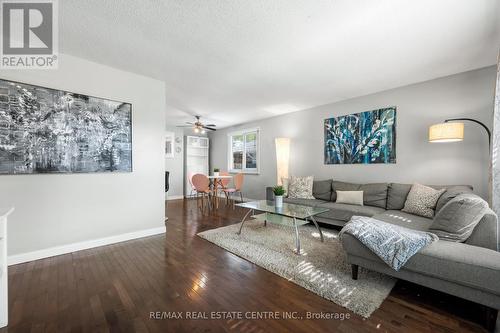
[
  {"x": 350, "y": 197},
  {"x": 422, "y": 200},
  {"x": 300, "y": 187},
  {"x": 458, "y": 218}
]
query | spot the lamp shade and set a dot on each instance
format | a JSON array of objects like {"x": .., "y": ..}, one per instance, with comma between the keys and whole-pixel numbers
[
  {"x": 282, "y": 158},
  {"x": 446, "y": 132}
]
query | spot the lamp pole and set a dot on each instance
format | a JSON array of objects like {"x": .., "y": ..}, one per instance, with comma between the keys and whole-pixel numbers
[{"x": 474, "y": 121}]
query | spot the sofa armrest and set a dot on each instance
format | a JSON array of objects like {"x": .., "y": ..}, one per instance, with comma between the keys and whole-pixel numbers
[
  {"x": 485, "y": 234},
  {"x": 269, "y": 193}
]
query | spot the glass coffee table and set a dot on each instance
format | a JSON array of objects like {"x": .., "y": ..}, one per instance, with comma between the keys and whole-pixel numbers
[{"x": 290, "y": 215}]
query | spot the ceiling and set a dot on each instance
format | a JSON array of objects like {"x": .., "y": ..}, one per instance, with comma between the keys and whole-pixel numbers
[{"x": 234, "y": 61}]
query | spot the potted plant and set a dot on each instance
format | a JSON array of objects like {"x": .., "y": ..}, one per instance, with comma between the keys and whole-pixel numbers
[
  {"x": 216, "y": 172},
  {"x": 279, "y": 191}
]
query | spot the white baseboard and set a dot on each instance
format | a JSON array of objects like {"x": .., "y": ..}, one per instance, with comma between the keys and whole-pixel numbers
[
  {"x": 174, "y": 197},
  {"x": 64, "y": 249}
]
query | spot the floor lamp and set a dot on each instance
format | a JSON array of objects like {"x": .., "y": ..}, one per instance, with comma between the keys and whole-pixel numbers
[{"x": 452, "y": 130}]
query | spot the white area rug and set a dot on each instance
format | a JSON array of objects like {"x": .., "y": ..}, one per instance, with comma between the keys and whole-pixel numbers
[{"x": 321, "y": 268}]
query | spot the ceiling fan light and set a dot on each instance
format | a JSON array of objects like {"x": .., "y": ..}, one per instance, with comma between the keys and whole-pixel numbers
[{"x": 196, "y": 129}]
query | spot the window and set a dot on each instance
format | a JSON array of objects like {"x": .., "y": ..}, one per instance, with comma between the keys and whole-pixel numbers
[{"x": 244, "y": 151}]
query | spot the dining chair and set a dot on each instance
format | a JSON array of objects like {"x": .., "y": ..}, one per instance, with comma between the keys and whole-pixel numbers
[
  {"x": 190, "y": 180},
  {"x": 201, "y": 184},
  {"x": 238, "y": 184},
  {"x": 220, "y": 184}
]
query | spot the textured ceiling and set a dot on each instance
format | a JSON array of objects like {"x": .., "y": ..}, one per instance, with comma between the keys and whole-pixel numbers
[{"x": 234, "y": 61}]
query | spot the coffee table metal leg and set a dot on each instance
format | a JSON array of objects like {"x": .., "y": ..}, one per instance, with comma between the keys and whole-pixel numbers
[
  {"x": 297, "y": 240},
  {"x": 317, "y": 227},
  {"x": 243, "y": 221}
]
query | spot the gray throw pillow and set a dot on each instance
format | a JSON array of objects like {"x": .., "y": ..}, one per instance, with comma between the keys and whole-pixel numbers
[
  {"x": 422, "y": 200},
  {"x": 458, "y": 218}
]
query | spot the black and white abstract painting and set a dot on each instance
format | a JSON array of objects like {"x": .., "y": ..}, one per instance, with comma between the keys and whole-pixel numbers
[{"x": 44, "y": 130}]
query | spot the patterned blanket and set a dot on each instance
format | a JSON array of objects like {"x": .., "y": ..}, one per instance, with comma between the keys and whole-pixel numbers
[{"x": 393, "y": 244}]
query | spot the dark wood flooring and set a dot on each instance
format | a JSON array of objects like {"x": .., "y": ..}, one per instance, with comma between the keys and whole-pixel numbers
[{"x": 115, "y": 288}]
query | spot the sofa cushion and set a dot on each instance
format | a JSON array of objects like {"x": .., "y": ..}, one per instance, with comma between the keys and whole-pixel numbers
[
  {"x": 305, "y": 202},
  {"x": 396, "y": 195},
  {"x": 342, "y": 186},
  {"x": 422, "y": 200},
  {"x": 451, "y": 192},
  {"x": 373, "y": 194},
  {"x": 459, "y": 263},
  {"x": 403, "y": 219},
  {"x": 458, "y": 218},
  {"x": 344, "y": 212},
  {"x": 322, "y": 189}
]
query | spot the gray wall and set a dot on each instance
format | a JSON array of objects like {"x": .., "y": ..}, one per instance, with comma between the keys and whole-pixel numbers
[
  {"x": 467, "y": 94},
  {"x": 60, "y": 209}
]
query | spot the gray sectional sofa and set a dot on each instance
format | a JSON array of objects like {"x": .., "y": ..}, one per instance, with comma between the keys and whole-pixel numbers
[{"x": 469, "y": 270}]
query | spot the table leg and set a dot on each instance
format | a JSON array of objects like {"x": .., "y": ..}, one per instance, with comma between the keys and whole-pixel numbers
[
  {"x": 317, "y": 227},
  {"x": 297, "y": 240},
  {"x": 216, "y": 194},
  {"x": 243, "y": 221}
]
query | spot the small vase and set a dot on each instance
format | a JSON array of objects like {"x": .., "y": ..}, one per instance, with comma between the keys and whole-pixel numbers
[
  {"x": 278, "y": 201},
  {"x": 216, "y": 174}
]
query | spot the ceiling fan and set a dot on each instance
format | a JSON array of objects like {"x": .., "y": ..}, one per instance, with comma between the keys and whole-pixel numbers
[{"x": 199, "y": 127}]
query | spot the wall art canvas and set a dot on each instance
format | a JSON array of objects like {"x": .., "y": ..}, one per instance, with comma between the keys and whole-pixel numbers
[
  {"x": 44, "y": 130},
  {"x": 361, "y": 138}
]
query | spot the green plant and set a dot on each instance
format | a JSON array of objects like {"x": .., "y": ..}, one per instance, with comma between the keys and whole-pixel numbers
[
  {"x": 278, "y": 190},
  {"x": 216, "y": 169}
]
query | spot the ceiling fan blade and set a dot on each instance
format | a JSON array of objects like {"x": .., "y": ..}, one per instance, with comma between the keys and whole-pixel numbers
[
  {"x": 187, "y": 122},
  {"x": 209, "y": 128},
  {"x": 184, "y": 126},
  {"x": 211, "y": 125}
]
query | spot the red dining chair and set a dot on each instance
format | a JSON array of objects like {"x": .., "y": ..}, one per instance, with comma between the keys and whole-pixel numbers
[
  {"x": 201, "y": 184},
  {"x": 238, "y": 184}
]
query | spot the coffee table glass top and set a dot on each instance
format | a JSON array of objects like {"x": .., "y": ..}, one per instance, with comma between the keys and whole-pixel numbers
[{"x": 288, "y": 209}]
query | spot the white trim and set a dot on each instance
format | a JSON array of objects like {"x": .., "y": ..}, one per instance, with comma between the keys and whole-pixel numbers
[
  {"x": 229, "y": 151},
  {"x": 174, "y": 197},
  {"x": 68, "y": 248}
]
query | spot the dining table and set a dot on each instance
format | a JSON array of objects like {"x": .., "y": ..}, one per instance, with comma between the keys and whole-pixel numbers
[{"x": 216, "y": 181}]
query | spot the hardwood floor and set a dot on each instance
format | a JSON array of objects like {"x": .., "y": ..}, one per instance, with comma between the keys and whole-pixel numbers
[{"x": 115, "y": 288}]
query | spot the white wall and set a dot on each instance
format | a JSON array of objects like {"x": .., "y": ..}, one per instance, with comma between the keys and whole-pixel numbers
[
  {"x": 467, "y": 94},
  {"x": 176, "y": 165},
  {"x": 58, "y": 209}
]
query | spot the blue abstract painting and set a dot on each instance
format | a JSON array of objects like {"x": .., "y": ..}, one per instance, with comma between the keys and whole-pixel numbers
[{"x": 361, "y": 138}]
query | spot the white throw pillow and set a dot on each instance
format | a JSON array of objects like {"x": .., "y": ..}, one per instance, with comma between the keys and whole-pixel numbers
[
  {"x": 301, "y": 187},
  {"x": 350, "y": 197}
]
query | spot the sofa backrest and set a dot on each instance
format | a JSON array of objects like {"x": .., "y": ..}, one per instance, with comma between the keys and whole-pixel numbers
[
  {"x": 322, "y": 189},
  {"x": 373, "y": 194},
  {"x": 397, "y": 193}
]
